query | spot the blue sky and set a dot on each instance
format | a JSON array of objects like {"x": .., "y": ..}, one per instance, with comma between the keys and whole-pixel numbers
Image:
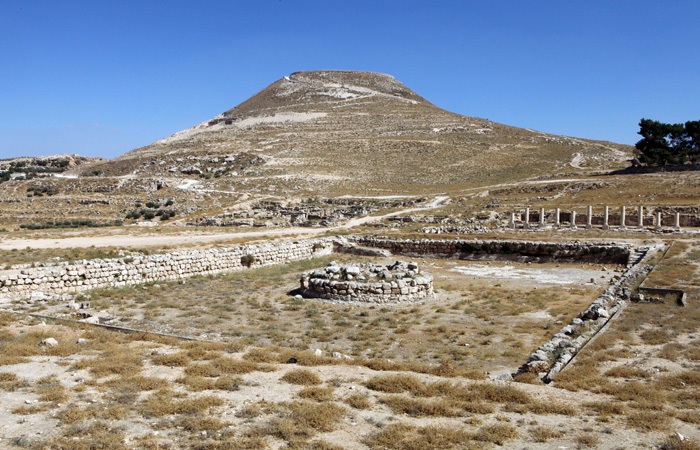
[{"x": 102, "y": 78}]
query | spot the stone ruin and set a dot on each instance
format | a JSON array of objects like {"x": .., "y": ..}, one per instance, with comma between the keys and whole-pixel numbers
[{"x": 369, "y": 283}]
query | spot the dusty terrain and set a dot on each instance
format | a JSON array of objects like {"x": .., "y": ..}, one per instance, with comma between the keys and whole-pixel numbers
[{"x": 425, "y": 370}]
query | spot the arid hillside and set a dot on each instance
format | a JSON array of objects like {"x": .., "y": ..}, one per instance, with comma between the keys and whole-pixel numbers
[{"x": 325, "y": 131}]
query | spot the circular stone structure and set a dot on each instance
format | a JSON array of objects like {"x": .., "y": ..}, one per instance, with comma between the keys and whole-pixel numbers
[{"x": 370, "y": 283}]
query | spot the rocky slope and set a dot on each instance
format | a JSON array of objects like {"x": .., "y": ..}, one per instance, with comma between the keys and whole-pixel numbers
[{"x": 342, "y": 131}]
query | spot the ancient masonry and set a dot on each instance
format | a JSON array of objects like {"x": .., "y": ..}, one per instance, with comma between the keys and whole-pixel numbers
[
  {"x": 370, "y": 283},
  {"x": 552, "y": 356},
  {"x": 99, "y": 273},
  {"x": 672, "y": 220},
  {"x": 484, "y": 250},
  {"x": 549, "y": 359}
]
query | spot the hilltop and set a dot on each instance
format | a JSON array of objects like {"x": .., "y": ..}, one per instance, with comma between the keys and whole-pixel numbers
[{"x": 325, "y": 131}]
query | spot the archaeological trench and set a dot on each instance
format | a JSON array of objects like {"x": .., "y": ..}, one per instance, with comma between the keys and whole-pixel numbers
[{"x": 401, "y": 282}]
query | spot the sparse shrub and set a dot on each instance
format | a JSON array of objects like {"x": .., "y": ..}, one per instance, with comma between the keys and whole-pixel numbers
[
  {"x": 553, "y": 407},
  {"x": 497, "y": 434},
  {"x": 395, "y": 384},
  {"x": 406, "y": 437},
  {"x": 323, "y": 445},
  {"x": 527, "y": 378},
  {"x": 587, "y": 441},
  {"x": 11, "y": 382},
  {"x": 195, "y": 424},
  {"x": 648, "y": 420},
  {"x": 689, "y": 417},
  {"x": 179, "y": 359},
  {"x": 197, "y": 383},
  {"x": 51, "y": 390},
  {"x": 248, "y": 260},
  {"x": 72, "y": 414},
  {"x": 319, "y": 394},
  {"x": 673, "y": 442},
  {"x": 543, "y": 434},
  {"x": 228, "y": 383},
  {"x": 318, "y": 416},
  {"x": 606, "y": 408},
  {"x": 358, "y": 401},
  {"x": 303, "y": 377},
  {"x": 627, "y": 372},
  {"x": 163, "y": 403},
  {"x": 119, "y": 361},
  {"x": 90, "y": 436},
  {"x": 419, "y": 407},
  {"x": 655, "y": 337}
]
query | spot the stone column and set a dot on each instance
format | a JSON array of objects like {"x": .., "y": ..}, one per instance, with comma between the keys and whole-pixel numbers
[
  {"x": 641, "y": 217},
  {"x": 541, "y": 217},
  {"x": 573, "y": 219},
  {"x": 622, "y": 218},
  {"x": 677, "y": 221},
  {"x": 589, "y": 223},
  {"x": 557, "y": 222},
  {"x": 527, "y": 218},
  {"x": 658, "y": 220},
  {"x": 605, "y": 218},
  {"x": 512, "y": 220}
]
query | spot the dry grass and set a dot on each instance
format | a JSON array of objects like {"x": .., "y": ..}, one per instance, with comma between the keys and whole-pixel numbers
[
  {"x": 92, "y": 436},
  {"x": 420, "y": 407},
  {"x": 407, "y": 437},
  {"x": 50, "y": 389},
  {"x": 543, "y": 434},
  {"x": 318, "y": 416},
  {"x": 11, "y": 382},
  {"x": 136, "y": 383},
  {"x": 673, "y": 442},
  {"x": 606, "y": 408},
  {"x": 319, "y": 394},
  {"x": 358, "y": 401},
  {"x": 496, "y": 434},
  {"x": 649, "y": 421},
  {"x": 302, "y": 377},
  {"x": 655, "y": 337},
  {"x": 395, "y": 384},
  {"x": 122, "y": 361},
  {"x": 628, "y": 372},
  {"x": 587, "y": 441},
  {"x": 164, "y": 403},
  {"x": 224, "y": 366},
  {"x": 582, "y": 375},
  {"x": 179, "y": 359},
  {"x": 194, "y": 424}
]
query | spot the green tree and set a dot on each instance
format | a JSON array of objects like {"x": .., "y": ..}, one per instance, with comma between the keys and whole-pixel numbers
[
  {"x": 664, "y": 143},
  {"x": 692, "y": 131}
]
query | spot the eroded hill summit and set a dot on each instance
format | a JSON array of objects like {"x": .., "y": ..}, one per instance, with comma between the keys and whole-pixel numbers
[{"x": 331, "y": 131}]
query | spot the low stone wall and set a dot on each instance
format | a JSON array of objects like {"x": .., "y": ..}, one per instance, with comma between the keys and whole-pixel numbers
[
  {"x": 99, "y": 273},
  {"x": 551, "y": 357},
  {"x": 392, "y": 284},
  {"x": 522, "y": 251}
]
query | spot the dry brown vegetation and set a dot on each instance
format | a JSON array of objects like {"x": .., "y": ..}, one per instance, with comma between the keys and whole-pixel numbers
[{"x": 409, "y": 383}]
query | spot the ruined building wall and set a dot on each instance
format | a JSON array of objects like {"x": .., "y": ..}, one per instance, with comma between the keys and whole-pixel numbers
[
  {"x": 501, "y": 249},
  {"x": 99, "y": 273}
]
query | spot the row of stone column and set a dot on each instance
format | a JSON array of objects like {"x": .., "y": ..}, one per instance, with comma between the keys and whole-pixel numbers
[{"x": 589, "y": 224}]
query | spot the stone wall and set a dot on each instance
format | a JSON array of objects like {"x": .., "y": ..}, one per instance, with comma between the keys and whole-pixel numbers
[
  {"x": 397, "y": 283},
  {"x": 553, "y": 356},
  {"x": 523, "y": 251},
  {"x": 99, "y": 273}
]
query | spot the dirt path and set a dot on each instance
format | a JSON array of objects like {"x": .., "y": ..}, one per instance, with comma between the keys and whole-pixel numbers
[{"x": 125, "y": 240}]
